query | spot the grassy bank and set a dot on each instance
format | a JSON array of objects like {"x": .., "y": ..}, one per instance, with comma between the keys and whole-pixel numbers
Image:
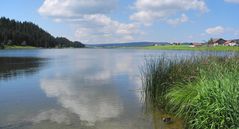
[
  {"x": 18, "y": 47},
  {"x": 203, "y": 91},
  {"x": 186, "y": 47}
]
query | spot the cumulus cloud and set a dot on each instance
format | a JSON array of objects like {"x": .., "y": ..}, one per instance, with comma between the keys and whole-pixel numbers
[
  {"x": 75, "y": 8},
  {"x": 163, "y": 10},
  {"x": 90, "y": 20},
  {"x": 232, "y": 1},
  {"x": 177, "y": 21},
  {"x": 95, "y": 28},
  {"x": 215, "y": 30}
]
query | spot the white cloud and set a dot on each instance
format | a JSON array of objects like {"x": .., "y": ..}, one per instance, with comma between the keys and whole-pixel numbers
[
  {"x": 215, "y": 30},
  {"x": 100, "y": 28},
  {"x": 75, "y": 8},
  {"x": 90, "y": 20},
  {"x": 177, "y": 21},
  {"x": 162, "y": 10},
  {"x": 232, "y": 1}
]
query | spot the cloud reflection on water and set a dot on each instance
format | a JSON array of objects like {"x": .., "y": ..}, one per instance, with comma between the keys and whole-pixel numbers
[
  {"x": 89, "y": 103},
  {"x": 88, "y": 87},
  {"x": 58, "y": 116}
]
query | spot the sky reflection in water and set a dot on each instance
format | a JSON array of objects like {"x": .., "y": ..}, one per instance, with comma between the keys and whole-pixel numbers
[{"x": 77, "y": 88}]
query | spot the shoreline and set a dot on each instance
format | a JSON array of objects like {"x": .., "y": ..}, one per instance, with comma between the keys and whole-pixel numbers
[
  {"x": 187, "y": 47},
  {"x": 7, "y": 47}
]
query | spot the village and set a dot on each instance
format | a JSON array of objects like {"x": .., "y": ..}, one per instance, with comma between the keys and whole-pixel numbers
[
  {"x": 217, "y": 42},
  {"x": 211, "y": 43}
]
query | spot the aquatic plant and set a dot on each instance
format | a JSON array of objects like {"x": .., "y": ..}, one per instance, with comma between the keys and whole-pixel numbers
[
  {"x": 160, "y": 74},
  {"x": 204, "y": 91}
]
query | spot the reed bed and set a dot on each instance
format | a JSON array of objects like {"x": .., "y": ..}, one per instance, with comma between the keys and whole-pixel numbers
[{"x": 204, "y": 91}]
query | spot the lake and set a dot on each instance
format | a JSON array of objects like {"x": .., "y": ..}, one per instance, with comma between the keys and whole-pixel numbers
[{"x": 77, "y": 89}]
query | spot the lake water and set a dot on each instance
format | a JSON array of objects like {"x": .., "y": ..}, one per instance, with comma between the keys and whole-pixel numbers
[{"x": 77, "y": 89}]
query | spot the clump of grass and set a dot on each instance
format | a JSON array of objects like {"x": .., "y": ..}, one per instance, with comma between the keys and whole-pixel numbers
[
  {"x": 212, "y": 101},
  {"x": 161, "y": 74},
  {"x": 204, "y": 91}
]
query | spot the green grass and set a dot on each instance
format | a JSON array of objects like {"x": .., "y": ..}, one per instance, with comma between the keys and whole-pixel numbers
[
  {"x": 18, "y": 47},
  {"x": 186, "y": 47},
  {"x": 160, "y": 74},
  {"x": 206, "y": 98}
]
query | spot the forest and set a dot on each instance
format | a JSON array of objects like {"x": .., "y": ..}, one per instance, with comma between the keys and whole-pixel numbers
[{"x": 18, "y": 33}]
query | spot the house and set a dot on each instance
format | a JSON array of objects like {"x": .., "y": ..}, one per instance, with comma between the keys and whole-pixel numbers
[
  {"x": 230, "y": 43},
  {"x": 196, "y": 45},
  {"x": 218, "y": 41}
]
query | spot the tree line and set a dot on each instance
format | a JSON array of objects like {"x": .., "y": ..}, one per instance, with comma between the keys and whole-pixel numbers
[{"x": 29, "y": 34}]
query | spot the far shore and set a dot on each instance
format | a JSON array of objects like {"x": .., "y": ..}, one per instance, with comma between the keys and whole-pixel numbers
[
  {"x": 7, "y": 47},
  {"x": 199, "y": 48},
  {"x": 19, "y": 47},
  {"x": 163, "y": 47}
]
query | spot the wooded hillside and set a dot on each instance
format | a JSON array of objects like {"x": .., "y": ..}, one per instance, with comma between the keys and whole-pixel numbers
[{"x": 28, "y": 34}]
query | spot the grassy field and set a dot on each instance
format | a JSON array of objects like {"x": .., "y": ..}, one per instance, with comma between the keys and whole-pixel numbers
[
  {"x": 19, "y": 47},
  {"x": 186, "y": 47},
  {"x": 203, "y": 91}
]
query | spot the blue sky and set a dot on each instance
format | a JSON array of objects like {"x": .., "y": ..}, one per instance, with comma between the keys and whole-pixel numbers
[{"x": 108, "y": 21}]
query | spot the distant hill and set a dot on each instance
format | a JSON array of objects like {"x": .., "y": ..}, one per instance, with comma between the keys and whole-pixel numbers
[
  {"x": 130, "y": 44},
  {"x": 26, "y": 33}
]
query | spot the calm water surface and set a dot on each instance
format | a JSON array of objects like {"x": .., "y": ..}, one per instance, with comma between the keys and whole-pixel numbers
[{"x": 76, "y": 89}]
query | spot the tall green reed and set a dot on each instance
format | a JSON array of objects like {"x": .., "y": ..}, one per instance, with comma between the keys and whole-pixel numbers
[
  {"x": 204, "y": 91},
  {"x": 159, "y": 75},
  {"x": 212, "y": 102}
]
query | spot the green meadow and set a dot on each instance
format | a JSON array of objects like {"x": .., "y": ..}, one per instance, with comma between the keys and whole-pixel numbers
[
  {"x": 187, "y": 47},
  {"x": 18, "y": 47}
]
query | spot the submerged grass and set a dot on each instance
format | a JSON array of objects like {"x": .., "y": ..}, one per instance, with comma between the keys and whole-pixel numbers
[{"x": 204, "y": 91}]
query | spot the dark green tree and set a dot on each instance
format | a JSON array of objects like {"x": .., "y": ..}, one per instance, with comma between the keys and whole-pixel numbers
[{"x": 27, "y": 33}]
